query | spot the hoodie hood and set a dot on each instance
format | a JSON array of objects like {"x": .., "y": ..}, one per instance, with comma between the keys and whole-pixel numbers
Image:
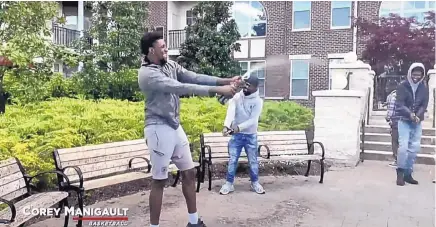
[{"x": 409, "y": 73}]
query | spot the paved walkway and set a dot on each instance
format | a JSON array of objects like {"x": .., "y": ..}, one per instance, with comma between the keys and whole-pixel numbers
[{"x": 362, "y": 197}]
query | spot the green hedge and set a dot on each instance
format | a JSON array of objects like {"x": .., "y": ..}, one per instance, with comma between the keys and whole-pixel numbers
[{"x": 33, "y": 131}]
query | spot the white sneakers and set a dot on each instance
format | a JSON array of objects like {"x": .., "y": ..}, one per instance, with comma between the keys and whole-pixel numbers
[{"x": 228, "y": 187}]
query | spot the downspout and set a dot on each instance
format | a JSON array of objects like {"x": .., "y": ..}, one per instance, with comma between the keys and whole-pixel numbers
[{"x": 355, "y": 29}]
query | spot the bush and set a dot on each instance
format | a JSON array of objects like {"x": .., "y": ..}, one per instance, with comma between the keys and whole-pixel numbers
[{"x": 31, "y": 132}]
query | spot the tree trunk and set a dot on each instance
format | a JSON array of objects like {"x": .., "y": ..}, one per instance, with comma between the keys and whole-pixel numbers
[{"x": 2, "y": 96}]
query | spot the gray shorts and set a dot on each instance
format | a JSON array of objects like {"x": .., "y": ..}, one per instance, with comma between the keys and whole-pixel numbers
[{"x": 166, "y": 144}]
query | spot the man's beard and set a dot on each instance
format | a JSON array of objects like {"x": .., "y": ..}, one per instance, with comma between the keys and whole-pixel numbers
[
  {"x": 247, "y": 93},
  {"x": 163, "y": 61}
]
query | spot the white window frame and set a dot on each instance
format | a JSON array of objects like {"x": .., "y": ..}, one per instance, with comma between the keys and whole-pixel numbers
[
  {"x": 331, "y": 16},
  {"x": 310, "y": 19},
  {"x": 249, "y": 68},
  {"x": 251, "y": 22},
  {"x": 163, "y": 30},
  {"x": 333, "y": 56},
  {"x": 402, "y": 10},
  {"x": 299, "y": 57},
  {"x": 191, "y": 17}
]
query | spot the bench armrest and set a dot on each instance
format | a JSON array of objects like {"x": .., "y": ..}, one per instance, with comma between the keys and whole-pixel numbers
[
  {"x": 29, "y": 178},
  {"x": 268, "y": 153},
  {"x": 13, "y": 211},
  {"x": 209, "y": 151},
  {"x": 148, "y": 163},
  {"x": 321, "y": 145},
  {"x": 79, "y": 173}
]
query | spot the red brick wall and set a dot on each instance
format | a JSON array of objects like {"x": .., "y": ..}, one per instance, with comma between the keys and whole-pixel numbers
[
  {"x": 319, "y": 42},
  {"x": 366, "y": 10},
  {"x": 157, "y": 15}
]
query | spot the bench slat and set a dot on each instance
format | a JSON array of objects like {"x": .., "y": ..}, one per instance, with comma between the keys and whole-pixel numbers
[
  {"x": 294, "y": 158},
  {"x": 40, "y": 200},
  {"x": 295, "y": 132},
  {"x": 272, "y": 148},
  {"x": 117, "y": 169},
  {"x": 12, "y": 182},
  {"x": 101, "y": 152},
  {"x": 259, "y": 138},
  {"x": 117, "y": 179},
  {"x": 101, "y": 146},
  {"x": 96, "y": 160},
  {"x": 269, "y": 143}
]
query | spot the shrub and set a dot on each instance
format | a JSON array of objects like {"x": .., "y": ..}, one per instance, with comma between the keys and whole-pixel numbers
[{"x": 31, "y": 132}]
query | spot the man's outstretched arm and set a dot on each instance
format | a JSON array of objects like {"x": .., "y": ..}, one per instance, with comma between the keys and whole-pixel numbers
[
  {"x": 186, "y": 76},
  {"x": 156, "y": 81}
]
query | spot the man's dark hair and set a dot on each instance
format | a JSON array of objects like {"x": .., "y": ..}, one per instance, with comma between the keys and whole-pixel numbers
[{"x": 148, "y": 40}]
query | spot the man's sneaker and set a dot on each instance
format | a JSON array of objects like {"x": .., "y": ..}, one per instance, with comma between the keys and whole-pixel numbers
[
  {"x": 255, "y": 186},
  {"x": 227, "y": 188},
  {"x": 393, "y": 164},
  {"x": 200, "y": 223}
]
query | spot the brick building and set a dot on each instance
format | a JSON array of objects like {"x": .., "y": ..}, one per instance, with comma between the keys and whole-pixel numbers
[{"x": 297, "y": 31}]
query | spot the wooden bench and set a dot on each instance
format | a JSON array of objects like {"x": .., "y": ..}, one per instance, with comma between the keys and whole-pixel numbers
[
  {"x": 20, "y": 195},
  {"x": 272, "y": 146},
  {"x": 97, "y": 166}
]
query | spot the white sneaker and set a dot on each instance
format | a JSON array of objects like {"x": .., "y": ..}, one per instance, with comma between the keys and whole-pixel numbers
[
  {"x": 227, "y": 188},
  {"x": 393, "y": 164},
  {"x": 257, "y": 188}
]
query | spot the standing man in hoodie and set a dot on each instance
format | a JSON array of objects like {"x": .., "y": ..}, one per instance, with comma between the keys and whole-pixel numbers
[
  {"x": 411, "y": 104},
  {"x": 241, "y": 121},
  {"x": 162, "y": 82}
]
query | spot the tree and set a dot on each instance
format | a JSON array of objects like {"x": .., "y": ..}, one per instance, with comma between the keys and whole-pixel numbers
[
  {"x": 117, "y": 28},
  {"x": 27, "y": 50},
  {"x": 394, "y": 43},
  {"x": 211, "y": 40}
]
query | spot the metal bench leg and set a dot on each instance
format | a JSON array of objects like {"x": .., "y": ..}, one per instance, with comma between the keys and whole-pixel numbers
[
  {"x": 80, "y": 199},
  {"x": 198, "y": 178},
  {"x": 321, "y": 180},
  {"x": 67, "y": 216},
  {"x": 209, "y": 174},
  {"x": 308, "y": 168}
]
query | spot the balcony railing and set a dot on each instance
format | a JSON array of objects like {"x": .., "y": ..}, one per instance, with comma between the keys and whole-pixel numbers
[
  {"x": 176, "y": 38},
  {"x": 65, "y": 36}
]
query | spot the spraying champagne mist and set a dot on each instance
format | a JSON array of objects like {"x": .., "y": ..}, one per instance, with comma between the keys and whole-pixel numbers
[{"x": 272, "y": 62}]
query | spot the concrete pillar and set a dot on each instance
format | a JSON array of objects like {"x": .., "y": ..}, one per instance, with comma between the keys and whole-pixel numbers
[
  {"x": 337, "y": 124},
  {"x": 361, "y": 78},
  {"x": 431, "y": 85}
]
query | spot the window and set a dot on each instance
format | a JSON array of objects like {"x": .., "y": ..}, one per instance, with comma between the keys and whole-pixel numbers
[
  {"x": 416, "y": 9},
  {"x": 333, "y": 60},
  {"x": 259, "y": 71},
  {"x": 160, "y": 29},
  {"x": 341, "y": 14},
  {"x": 250, "y": 17},
  {"x": 301, "y": 15},
  {"x": 189, "y": 18},
  {"x": 299, "y": 77}
]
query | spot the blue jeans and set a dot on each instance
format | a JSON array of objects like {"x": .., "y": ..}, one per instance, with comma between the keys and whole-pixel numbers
[
  {"x": 409, "y": 139},
  {"x": 249, "y": 143}
]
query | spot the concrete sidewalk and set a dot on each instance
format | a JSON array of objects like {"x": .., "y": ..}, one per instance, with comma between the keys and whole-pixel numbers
[{"x": 365, "y": 196}]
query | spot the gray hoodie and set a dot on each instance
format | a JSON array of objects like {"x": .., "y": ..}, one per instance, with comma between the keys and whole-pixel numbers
[{"x": 162, "y": 86}]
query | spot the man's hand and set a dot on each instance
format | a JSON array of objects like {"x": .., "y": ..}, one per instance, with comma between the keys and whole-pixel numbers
[
  {"x": 228, "y": 81},
  {"x": 235, "y": 129},
  {"x": 226, "y": 131},
  {"x": 417, "y": 120},
  {"x": 227, "y": 90}
]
